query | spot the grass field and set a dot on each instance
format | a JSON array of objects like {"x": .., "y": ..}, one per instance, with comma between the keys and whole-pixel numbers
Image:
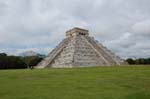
[{"x": 131, "y": 82}]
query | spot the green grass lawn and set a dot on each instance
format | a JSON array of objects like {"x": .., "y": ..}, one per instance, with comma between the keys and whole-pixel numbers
[{"x": 131, "y": 82}]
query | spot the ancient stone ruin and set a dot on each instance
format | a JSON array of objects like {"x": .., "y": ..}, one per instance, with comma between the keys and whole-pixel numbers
[{"x": 79, "y": 49}]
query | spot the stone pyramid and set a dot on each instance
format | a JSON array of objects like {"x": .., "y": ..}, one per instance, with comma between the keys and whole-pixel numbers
[{"x": 79, "y": 49}]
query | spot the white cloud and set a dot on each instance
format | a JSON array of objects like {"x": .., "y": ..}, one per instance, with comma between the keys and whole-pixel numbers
[
  {"x": 142, "y": 28},
  {"x": 123, "y": 25}
]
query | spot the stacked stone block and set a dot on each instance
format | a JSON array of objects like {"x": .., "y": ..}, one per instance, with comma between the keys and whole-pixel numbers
[{"x": 78, "y": 49}]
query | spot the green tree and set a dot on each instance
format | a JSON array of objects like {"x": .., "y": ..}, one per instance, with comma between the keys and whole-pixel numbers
[
  {"x": 11, "y": 62},
  {"x": 3, "y": 54},
  {"x": 130, "y": 61},
  {"x": 32, "y": 61}
]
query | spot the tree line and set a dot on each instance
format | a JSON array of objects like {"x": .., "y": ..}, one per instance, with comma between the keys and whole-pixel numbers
[
  {"x": 18, "y": 62},
  {"x": 139, "y": 61}
]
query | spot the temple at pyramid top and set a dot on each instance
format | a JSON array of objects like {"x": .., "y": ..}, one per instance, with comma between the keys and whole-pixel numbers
[
  {"x": 78, "y": 49},
  {"x": 77, "y": 31}
]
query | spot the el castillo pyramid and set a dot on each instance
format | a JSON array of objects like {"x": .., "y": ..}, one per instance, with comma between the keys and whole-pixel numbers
[{"x": 79, "y": 49}]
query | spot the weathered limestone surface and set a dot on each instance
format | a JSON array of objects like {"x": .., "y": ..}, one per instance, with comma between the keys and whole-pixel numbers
[{"x": 79, "y": 49}]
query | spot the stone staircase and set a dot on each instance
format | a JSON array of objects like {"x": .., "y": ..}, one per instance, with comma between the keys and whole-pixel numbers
[
  {"x": 53, "y": 54},
  {"x": 109, "y": 58},
  {"x": 117, "y": 59}
]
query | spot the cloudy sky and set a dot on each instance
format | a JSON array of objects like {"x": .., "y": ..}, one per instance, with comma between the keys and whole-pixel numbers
[{"x": 121, "y": 25}]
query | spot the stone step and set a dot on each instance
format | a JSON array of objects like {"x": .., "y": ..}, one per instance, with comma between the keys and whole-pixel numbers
[
  {"x": 101, "y": 51},
  {"x": 117, "y": 58},
  {"x": 53, "y": 54}
]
